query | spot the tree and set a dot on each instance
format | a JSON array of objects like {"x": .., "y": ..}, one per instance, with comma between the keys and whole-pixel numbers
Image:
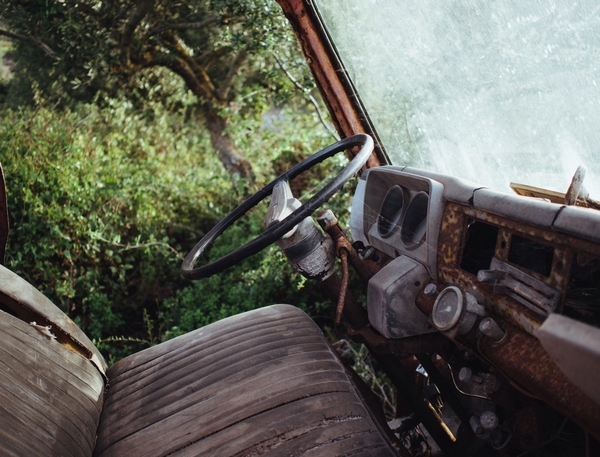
[{"x": 82, "y": 47}]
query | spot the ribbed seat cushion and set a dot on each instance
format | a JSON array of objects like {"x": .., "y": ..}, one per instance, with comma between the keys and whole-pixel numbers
[{"x": 261, "y": 383}]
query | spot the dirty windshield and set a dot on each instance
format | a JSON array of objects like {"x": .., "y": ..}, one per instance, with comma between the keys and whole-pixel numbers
[{"x": 494, "y": 92}]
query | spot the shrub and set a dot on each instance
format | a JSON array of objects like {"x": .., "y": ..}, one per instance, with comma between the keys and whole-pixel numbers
[{"x": 105, "y": 202}]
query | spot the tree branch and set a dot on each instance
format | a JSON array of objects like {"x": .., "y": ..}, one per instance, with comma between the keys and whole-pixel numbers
[
  {"x": 207, "y": 58},
  {"x": 194, "y": 25},
  {"x": 180, "y": 67},
  {"x": 181, "y": 26},
  {"x": 31, "y": 40},
  {"x": 129, "y": 247},
  {"x": 237, "y": 63},
  {"x": 194, "y": 74},
  {"x": 135, "y": 19},
  {"x": 311, "y": 99}
]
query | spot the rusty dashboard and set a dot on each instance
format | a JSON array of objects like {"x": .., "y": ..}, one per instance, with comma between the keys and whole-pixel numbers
[
  {"x": 534, "y": 256},
  {"x": 511, "y": 279}
]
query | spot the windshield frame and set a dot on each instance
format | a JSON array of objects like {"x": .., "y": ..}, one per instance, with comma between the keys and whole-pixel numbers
[{"x": 337, "y": 89}]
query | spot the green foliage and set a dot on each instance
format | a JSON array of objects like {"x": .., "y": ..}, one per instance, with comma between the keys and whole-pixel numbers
[
  {"x": 360, "y": 359},
  {"x": 221, "y": 50},
  {"x": 108, "y": 196},
  {"x": 72, "y": 50},
  {"x": 104, "y": 204},
  {"x": 93, "y": 196}
]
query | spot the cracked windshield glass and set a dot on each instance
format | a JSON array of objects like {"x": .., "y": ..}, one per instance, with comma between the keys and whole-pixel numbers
[{"x": 491, "y": 92}]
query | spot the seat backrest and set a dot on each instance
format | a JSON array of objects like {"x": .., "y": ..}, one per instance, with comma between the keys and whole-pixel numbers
[
  {"x": 51, "y": 376},
  {"x": 50, "y": 396}
]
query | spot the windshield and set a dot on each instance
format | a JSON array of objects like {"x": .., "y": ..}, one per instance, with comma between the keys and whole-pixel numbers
[{"x": 494, "y": 92}]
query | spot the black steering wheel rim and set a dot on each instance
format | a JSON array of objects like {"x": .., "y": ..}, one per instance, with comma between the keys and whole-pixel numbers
[{"x": 277, "y": 229}]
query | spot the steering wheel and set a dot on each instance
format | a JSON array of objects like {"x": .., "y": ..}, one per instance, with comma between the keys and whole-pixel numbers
[{"x": 277, "y": 229}]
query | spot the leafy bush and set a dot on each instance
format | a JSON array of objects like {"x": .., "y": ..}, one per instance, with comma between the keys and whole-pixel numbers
[{"x": 105, "y": 202}]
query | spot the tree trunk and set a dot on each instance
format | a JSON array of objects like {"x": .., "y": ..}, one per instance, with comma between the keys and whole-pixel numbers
[{"x": 233, "y": 161}]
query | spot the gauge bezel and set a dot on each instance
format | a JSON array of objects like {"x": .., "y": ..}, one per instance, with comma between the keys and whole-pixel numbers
[
  {"x": 459, "y": 309},
  {"x": 415, "y": 216},
  {"x": 391, "y": 211}
]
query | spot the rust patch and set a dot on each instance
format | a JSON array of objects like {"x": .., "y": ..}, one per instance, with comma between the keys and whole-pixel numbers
[
  {"x": 450, "y": 250},
  {"x": 522, "y": 358},
  {"x": 450, "y": 240}
]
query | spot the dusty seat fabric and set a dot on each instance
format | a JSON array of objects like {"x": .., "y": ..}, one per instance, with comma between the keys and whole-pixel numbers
[
  {"x": 261, "y": 383},
  {"x": 50, "y": 396}
]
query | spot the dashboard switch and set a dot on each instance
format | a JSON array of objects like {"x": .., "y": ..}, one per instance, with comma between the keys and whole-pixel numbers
[{"x": 431, "y": 290}]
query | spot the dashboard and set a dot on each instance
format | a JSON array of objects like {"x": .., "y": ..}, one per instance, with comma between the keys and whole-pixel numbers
[{"x": 465, "y": 259}]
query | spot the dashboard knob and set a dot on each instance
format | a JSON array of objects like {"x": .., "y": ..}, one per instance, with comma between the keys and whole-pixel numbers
[
  {"x": 489, "y": 327},
  {"x": 431, "y": 290},
  {"x": 489, "y": 420}
]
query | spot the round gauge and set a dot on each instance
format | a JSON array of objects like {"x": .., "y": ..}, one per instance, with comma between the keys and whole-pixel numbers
[
  {"x": 391, "y": 211},
  {"x": 447, "y": 308},
  {"x": 414, "y": 226}
]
